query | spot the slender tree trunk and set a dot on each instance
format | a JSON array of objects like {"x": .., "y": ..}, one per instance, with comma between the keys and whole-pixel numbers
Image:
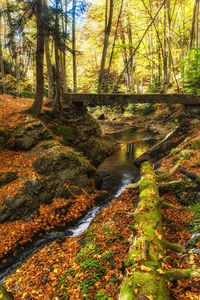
[
  {"x": 169, "y": 41},
  {"x": 197, "y": 25},
  {"x": 105, "y": 47},
  {"x": 63, "y": 58},
  {"x": 130, "y": 55},
  {"x": 139, "y": 43},
  {"x": 58, "y": 79},
  {"x": 115, "y": 37},
  {"x": 1, "y": 59},
  {"x": 124, "y": 54},
  {"x": 58, "y": 65},
  {"x": 37, "y": 105},
  {"x": 74, "y": 47},
  {"x": 49, "y": 70},
  {"x": 165, "y": 50},
  {"x": 192, "y": 33}
]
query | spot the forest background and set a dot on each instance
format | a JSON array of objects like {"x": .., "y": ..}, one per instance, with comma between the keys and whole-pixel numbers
[{"x": 94, "y": 46}]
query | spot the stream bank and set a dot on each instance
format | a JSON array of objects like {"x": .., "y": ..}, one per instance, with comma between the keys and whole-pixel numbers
[
  {"x": 117, "y": 171},
  {"x": 89, "y": 266}
]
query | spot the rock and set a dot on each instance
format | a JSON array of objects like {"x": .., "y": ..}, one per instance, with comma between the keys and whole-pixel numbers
[
  {"x": 4, "y": 213},
  {"x": 6, "y": 177},
  {"x": 101, "y": 117},
  {"x": 4, "y": 136},
  {"x": 26, "y": 137},
  {"x": 99, "y": 149},
  {"x": 66, "y": 166},
  {"x": 32, "y": 193}
]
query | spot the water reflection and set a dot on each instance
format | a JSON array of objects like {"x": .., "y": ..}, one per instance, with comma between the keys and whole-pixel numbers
[{"x": 118, "y": 169}]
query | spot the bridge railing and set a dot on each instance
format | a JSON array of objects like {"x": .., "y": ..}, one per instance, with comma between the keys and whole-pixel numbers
[{"x": 107, "y": 99}]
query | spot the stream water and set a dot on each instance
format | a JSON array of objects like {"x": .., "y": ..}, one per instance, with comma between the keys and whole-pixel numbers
[{"x": 117, "y": 171}]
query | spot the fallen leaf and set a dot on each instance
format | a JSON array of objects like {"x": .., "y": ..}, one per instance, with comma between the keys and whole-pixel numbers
[{"x": 160, "y": 271}]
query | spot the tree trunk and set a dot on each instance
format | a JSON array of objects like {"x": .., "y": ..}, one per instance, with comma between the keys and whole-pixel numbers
[
  {"x": 74, "y": 47},
  {"x": 145, "y": 276},
  {"x": 37, "y": 105},
  {"x": 1, "y": 59},
  {"x": 139, "y": 43},
  {"x": 57, "y": 62},
  {"x": 115, "y": 37},
  {"x": 192, "y": 33},
  {"x": 169, "y": 41},
  {"x": 49, "y": 70},
  {"x": 165, "y": 50},
  {"x": 124, "y": 55},
  {"x": 130, "y": 55},
  {"x": 105, "y": 47}
]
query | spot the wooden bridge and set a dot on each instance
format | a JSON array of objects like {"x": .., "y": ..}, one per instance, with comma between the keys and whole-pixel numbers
[{"x": 119, "y": 99}]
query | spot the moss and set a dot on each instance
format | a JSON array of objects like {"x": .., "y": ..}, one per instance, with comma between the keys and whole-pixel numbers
[
  {"x": 197, "y": 179},
  {"x": 4, "y": 295},
  {"x": 63, "y": 131},
  {"x": 7, "y": 177},
  {"x": 4, "y": 136},
  {"x": 186, "y": 154}
]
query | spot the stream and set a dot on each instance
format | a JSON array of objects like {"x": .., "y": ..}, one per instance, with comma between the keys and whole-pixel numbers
[{"x": 117, "y": 171}]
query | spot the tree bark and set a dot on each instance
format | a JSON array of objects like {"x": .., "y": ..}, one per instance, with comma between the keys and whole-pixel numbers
[
  {"x": 1, "y": 59},
  {"x": 124, "y": 55},
  {"x": 57, "y": 62},
  {"x": 130, "y": 55},
  {"x": 164, "y": 50},
  {"x": 105, "y": 47},
  {"x": 49, "y": 70},
  {"x": 115, "y": 37},
  {"x": 38, "y": 100},
  {"x": 192, "y": 32},
  {"x": 74, "y": 47}
]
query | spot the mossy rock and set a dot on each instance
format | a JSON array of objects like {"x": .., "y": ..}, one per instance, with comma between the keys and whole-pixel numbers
[
  {"x": 65, "y": 165},
  {"x": 4, "y": 136},
  {"x": 6, "y": 177},
  {"x": 25, "y": 137},
  {"x": 33, "y": 192},
  {"x": 65, "y": 132},
  {"x": 4, "y": 294},
  {"x": 97, "y": 149}
]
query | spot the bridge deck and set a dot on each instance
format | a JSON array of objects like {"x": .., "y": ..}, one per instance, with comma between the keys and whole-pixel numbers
[{"x": 106, "y": 99}]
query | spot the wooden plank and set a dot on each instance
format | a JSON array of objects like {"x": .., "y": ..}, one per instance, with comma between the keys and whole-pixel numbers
[{"x": 108, "y": 99}]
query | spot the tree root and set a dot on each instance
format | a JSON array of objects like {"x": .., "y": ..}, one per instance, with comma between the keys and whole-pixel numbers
[
  {"x": 182, "y": 274},
  {"x": 169, "y": 205},
  {"x": 189, "y": 174},
  {"x": 172, "y": 246},
  {"x": 171, "y": 172}
]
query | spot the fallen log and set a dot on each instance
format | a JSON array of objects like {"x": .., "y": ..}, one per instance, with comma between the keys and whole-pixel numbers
[
  {"x": 145, "y": 276},
  {"x": 171, "y": 141}
]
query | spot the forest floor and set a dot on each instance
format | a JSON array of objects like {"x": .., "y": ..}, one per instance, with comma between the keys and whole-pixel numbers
[{"x": 91, "y": 266}]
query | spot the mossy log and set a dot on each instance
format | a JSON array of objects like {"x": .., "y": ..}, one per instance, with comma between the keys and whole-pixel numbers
[{"x": 145, "y": 275}]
